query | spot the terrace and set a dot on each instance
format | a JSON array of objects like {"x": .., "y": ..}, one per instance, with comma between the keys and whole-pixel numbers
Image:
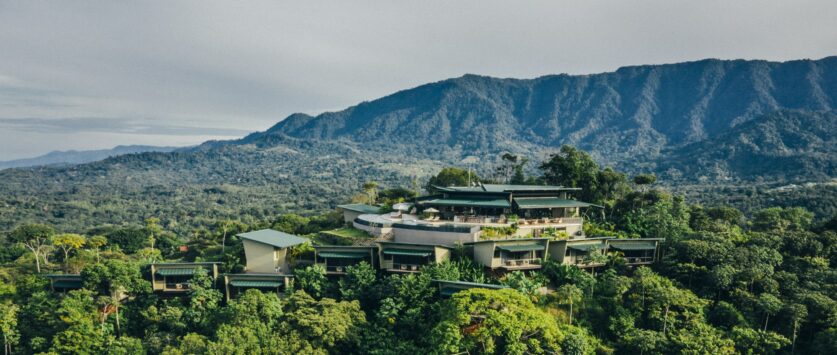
[
  {"x": 335, "y": 259},
  {"x": 410, "y": 258}
]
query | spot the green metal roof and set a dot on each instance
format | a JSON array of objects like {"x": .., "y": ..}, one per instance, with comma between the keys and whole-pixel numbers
[
  {"x": 258, "y": 284},
  {"x": 634, "y": 245},
  {"x": 495, "y": 203},
  {"x": 547, "y": 202},
  {"x": 342, "y": 255},
  {"x": 586, "y": 247},
  {"x": 521, "y": 247},
  {"x": 67, "y": 284},
  {"x": 274, "y": 238},
  {"x": 179, "y": 271},
  {"x": 407, "y": 252},
  {"x": 359, "y": 207},
  {"x": 505, "y": 188}
]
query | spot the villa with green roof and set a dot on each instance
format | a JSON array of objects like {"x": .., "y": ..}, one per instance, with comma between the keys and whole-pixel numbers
[
  {"x": 406, "y": 257},
  {"x": 175, "y": 277},
  {"x": 335, "y": 259},
  {"x": 267, "y": 250},
  {"x": 511, "y": 254},
  {"x": 235, "y": 284}
]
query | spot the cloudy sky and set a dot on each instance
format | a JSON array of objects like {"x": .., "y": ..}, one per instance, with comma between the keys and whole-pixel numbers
[{"x": 85, "y": 74}]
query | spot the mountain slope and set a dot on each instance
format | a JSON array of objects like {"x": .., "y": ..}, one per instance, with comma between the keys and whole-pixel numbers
[
  {"x": 783, "y": 145},
  {"x": 72, "y": 157},
  {"x": 625, "y": 116}
]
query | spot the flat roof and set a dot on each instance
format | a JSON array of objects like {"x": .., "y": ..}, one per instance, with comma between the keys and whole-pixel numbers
[
  {"x": 547, "y": 202},
  {"x": 505, "y": 188},
  {"x": 470, "y": 202},
  {"x": 272, "y": 237},
  {"x": 360, "y": 207},
  {"x": 395, "y": 244},
  {"x": 508, "y": 240},
  {"x": 471, "y": 284}
]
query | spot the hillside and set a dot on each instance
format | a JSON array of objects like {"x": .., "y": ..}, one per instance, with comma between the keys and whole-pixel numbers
[
  {"x": 697, "y": 124},
  {"x": 624, "y": 117},
  {"x": 72, "y": 157}
]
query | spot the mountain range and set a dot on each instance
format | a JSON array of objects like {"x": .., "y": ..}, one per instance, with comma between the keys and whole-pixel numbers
[
  {"x": 708, "y": 121},
  {"x": 74, "y": 157}
]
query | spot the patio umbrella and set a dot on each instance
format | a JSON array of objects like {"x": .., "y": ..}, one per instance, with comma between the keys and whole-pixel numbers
[
  {"x": 402, "y": 206},
  {"x": 431, "y": 210}
]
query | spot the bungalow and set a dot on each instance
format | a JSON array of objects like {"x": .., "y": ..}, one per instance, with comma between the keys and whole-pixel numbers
[
  {"x": 407, "y": 257},
  {"x": 175, "y": 277},
  {"x": 64, "y": 282},
  {"x": 352, "y": 211},
  {"x": 511, "y": 254},
  {"x": 581, "y": 252},
  {"x": 636, "y": 252},
  {"x": 235, "y": 284},
  {"x": 267, "y": 250},
  {"x": 335, "y": 259},
  {"x": 448, "y": 288}
]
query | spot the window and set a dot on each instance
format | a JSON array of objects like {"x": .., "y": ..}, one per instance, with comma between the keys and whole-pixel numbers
[{"x": 496, "y": 253}]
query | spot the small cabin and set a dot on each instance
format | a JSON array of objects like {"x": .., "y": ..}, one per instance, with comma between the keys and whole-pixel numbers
[
  {"x": 335, "y": 259},
  {"x": 405, "y": 257},
  {"x": 64, "y": 282},
  {"x": 635, "y": 252},
  {"x": 176, "y": 277},
  {"x": 235, "y": 284},
  {"x": 267, "y": 250},
  {"x": 581, "y": 252}
]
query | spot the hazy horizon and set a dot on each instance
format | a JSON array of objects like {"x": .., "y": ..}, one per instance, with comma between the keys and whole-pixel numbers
[{"x": 79, "y": 76}]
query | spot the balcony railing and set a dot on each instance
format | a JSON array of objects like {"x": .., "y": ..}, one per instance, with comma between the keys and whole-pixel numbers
[
  {"x": 336, "y": 269},
  {"x": 520, "y": 263},
  {"x": 406, "y": 267},
  {"x": 639, "y": 259}
]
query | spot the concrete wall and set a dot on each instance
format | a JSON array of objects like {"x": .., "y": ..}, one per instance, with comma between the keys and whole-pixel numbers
[
  {"x": 261, "y": 257},
  {"x": 349, "y": 216},
  {"x": 374, "y": 231},
  {"x": 442, "y": 254},
  {"x": 431, "y": 237},
  {"x": 557, "y": 250},
  {"x": 484, "y": 255}
]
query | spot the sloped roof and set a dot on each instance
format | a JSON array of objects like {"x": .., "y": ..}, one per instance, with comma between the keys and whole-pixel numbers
[
  {"x": 272, "y": 237},
  {"x": 505, "y": 188}
]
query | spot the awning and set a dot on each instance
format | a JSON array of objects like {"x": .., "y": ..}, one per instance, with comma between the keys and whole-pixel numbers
[
  {"x": 342, "y": 255},
  {"x": 521, "y": 247},
  {"x": 586, "y": 247},
  {"x": 634, "y": 246},
  {"x": 547, "y": 202},
  {"x": 176, "y": 272},
  {"x": 258, "y": 284},
  {"x": 491, "y": 203},
  {"x": 407, "y": 252}
]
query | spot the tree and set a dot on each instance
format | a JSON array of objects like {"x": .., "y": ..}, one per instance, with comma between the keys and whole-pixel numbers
[
  {"x": 152, "y": 225},
  {"x": 494, "y": 322},
  {"x": 204, "y": 300},
  {"x": 751, "y": 341},
  {"x": 8, "y": 325},
  {"x": 526, "y": 285},
  {"x": 97, "y": 242},
  {"x": 312, "y": 279},
  {"x": 451, "y": 177},
  {"x": 35, "y": 237},
  {"x": 572, "y": 168},
  {"x": 770, "y": 305},
  {"x": 68, "y": 242},
  {"x": 371, "y": 189},
  {"x": 797, "y": 313},
  {"x": 645, "y": 179},
  {"x": 569, "y": 294},
  {"x": 325, "y": 324},
  {"x": 357, "y": 282}
]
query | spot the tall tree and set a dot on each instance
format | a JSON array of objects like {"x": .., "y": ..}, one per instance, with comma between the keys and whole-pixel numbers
[
  {"x": 68, "y": 242},
  {"x": 569, "y": 295},
  {"x": 8, "y": 325},
  {"x": 97, "y": 242},
  {"x": 35, "y": 237}
]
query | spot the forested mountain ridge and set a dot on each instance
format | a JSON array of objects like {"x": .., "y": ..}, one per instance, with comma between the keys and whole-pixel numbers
[
  {"x": 623, "y": 117},
  {"x": 750, "y": 124}
]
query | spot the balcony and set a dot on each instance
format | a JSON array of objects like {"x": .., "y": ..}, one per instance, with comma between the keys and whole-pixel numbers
[
  {"x": 402, "y": 267},
  {"x": 638, "y": 260},
  {"x": 521, "y": 264}
]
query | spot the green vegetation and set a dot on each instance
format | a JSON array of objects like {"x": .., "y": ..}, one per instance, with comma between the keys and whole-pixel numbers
[{"x": 729, "y": 283}]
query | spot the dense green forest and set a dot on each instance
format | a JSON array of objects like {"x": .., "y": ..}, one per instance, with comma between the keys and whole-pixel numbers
[{"x": 727, "y": 284}]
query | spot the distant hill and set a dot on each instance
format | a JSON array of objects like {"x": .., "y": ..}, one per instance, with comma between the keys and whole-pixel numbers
[
  {"x": 698, "y": 124},
  {"x": 72, "y": 157}
]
